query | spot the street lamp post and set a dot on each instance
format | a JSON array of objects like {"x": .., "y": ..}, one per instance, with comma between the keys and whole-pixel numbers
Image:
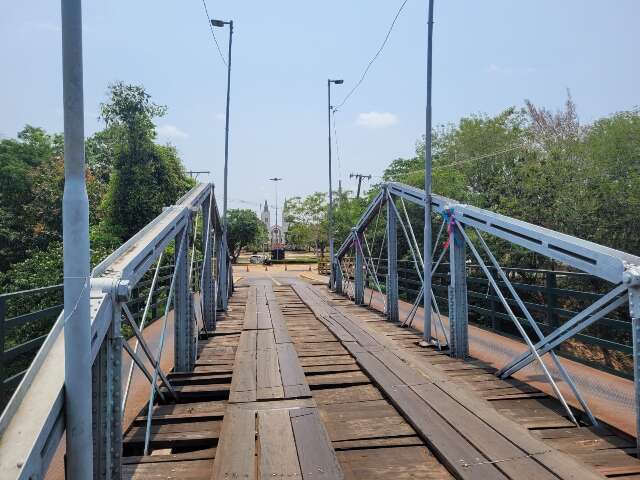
[
  {"x": 427, "y": 189},
  {"x": 224, "y": 269},
  {"x": 276, "y": 180},
  {"x": 331, "y": 261},
  {"x": 220, "y": 23}
]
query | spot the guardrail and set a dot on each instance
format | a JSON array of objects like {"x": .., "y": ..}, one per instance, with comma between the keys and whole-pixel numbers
[
  {"x": 22, "y": 334},
  {"x": 33, "y": 423},
  {"x": 608, "y": 342},
  {"x": 494, "y": 296}
]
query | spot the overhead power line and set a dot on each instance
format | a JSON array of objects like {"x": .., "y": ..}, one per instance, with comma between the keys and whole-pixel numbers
[
  {"x": 375, "y": 57},
  {"x": 213, "y": 34},
  {"x": 466, "y": 160}
]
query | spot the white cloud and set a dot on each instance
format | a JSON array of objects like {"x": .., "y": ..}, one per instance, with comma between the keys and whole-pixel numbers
[
  {"x": 171, "y": 132},
  {"x": 376, "y": 119}
]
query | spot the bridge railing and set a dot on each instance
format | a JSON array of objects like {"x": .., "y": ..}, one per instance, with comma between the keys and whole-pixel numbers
[
  {"x": 462, "y": 231},
  {"x": 32, "y": 423}
]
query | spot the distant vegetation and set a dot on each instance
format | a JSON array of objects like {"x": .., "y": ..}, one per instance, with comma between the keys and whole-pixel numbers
[
  {"x": 129, "y": 178},
  {"x": 529, "y": 163}
]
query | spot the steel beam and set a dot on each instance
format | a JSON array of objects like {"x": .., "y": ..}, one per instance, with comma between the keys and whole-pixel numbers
[
  {"x": 107, "y": 411},
  {"x": 183, "y": 326},
  {"x": 358, "y": 270},
  {"x": 634, "y": 309},
  {"x": 338, "y": 277},
  {"x": 392, "y": 262},
  {"x": 207, "y": 288},
  {"x": 579, "y": 322},
  {"x": 458, "y": 306}
]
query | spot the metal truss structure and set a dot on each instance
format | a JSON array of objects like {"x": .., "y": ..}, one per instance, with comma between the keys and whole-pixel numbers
[
  {"x": 34, "y": 421},
  {"x": 620, "y": 269}
]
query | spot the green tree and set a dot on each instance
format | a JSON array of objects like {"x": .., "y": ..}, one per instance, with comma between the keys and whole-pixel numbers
[
  {"x": 243, "y": 229},
  {"x": 145, "y": 176}
]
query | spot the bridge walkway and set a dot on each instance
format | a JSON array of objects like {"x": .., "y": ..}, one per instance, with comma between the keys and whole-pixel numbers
[{"x": 297, "y": 383}]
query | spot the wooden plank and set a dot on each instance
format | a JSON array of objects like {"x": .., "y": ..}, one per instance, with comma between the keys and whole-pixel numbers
[
  {"x": 251, "y": 311},
  {"x": 561, "y": 464},
  {"x": 400, "y": 441},
  {"x": 315, "y": 453},
  {"x": 398, "y": 463},
  {"x": 293, "y": 377},
  {"x": 236, "y": 452},
  {"x": 207, "y": 453},
  {"x": 269, "y": 382},
  {"x": 179, "y": 470},
  {"x": 243, "y": 384},
  {"x": 278, "y": 454}
]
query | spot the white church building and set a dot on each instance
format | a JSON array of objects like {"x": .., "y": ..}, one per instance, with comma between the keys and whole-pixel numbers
[{"x": 277, "y": 233}]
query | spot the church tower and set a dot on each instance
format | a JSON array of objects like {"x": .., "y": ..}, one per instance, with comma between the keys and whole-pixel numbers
[{"x": 265, "y": 217}]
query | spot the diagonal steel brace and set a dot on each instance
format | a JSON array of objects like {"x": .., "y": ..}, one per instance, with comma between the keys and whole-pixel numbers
[
  {"x": 579, "y": 322},
  {"x": 516, "y": 322}
]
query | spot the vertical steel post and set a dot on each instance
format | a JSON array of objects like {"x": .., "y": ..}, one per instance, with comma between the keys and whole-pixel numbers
[
  {"x": 458, "y": 310},
  {"x": 75, "y": 234},
  {"x": 207, "y": 287},
  {"x": 182, "y": 306},
  {"x": 358, "y": 270},
  {"x": 338, "y": 278},
  {"x": 107, "y": 402},
  {"x": 223, "y": 274},
  {"x": 427, "y": 187},
  {"x": 634, "y": 308},
  {"x": 392, "y": 262}
]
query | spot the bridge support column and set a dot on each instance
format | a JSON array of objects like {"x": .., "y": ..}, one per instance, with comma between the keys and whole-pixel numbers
[
  {"x": 107, "y": 402},
  {"x": 392, "y": 262},
  {"x": 359, "y": 270},
  {"x": 207, "y": 289},
  {"x": 458, "y": 310},
  {"x": 223, "y": 273},
  {"x": 338, "y": 276},
  {"x": 182, "y": 322},
  {"x": 634, "y": 307}
]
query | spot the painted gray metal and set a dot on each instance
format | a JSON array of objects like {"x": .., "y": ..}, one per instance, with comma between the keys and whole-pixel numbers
[
  {"x": 458, "y": 310},
  {"x": 428, "y": 160},
  {"x": 392, "y": 262},
  {"x": 207, "y": 283},
  {"x": 75, "y": 238},
  {"x": 182, "y": 304},
  {"x": 32, "y": 424},
  {"x": 359, "y": 271},
  {"x": 107, "y": 400}
]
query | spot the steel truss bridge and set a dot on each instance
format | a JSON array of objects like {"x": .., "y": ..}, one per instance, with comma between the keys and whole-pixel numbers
[{"x": 294, "y": 380}]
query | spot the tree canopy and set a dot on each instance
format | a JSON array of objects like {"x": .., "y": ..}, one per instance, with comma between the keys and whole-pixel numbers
[{"x": 244, "y": 228}]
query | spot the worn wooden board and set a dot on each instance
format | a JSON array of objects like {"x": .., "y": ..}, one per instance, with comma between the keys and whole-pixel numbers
[
  {"x": 236, "y": 452},
  {"x": 278, "y": 454},
  {"x": 315, "y": 453}
]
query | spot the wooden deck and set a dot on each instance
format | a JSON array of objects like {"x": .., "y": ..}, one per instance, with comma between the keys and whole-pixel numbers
[{"x": 300, "y": 383}]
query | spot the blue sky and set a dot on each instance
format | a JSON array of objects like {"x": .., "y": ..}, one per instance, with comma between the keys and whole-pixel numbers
[{"x": 488, "y": 55}]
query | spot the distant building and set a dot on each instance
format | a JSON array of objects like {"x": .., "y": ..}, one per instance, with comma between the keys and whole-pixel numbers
[
  {"x": 265, "y": 217},
  {"x": 277, "y": 233}
]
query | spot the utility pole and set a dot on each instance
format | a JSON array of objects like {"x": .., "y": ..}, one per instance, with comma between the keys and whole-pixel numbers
[
  {"x": 426, "y": 339},
  {"x": 329, "y": 108},
  {"x": 359, "y": 176},
  {"x": 75, "y": 240}
]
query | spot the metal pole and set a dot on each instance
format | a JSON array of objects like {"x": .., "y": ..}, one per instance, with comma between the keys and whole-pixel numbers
[
  {"x": 427, "y": 186},
  {"x": 331, "y": 261},
  {"x": 75, "y": 234},
  {"x": 226, "y": 129}
]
